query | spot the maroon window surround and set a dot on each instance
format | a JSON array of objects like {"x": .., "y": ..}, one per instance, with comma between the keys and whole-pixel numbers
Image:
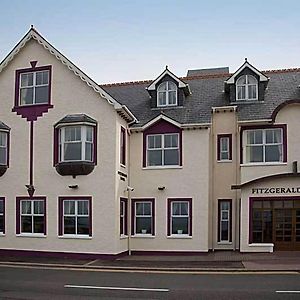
[
  {"x": 123, "y": 216},
  {"x": 2, "y": 214},
  {"x": 219, "y": 137},
  {"x": 133, "y": 219},
  {"x": 220, "y": 201},
  {"x": 18, "y": 212},
  {"x": 32, "y": 111},
  {"x": 161, "y": 127},
  {"x": 4, "y": 167},
  {"x": 61, "y": 213},
  {"x": 169, "y": 214},
  {"x": 123, "y": 146},
  {"x": 284, "y": 137}
]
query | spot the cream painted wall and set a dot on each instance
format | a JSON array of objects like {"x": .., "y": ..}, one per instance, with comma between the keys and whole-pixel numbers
[
  {"x": 288, "y": 115},
  {"x": 224, "y": 174},
  {"x": 190, "y": 181},
  {"x": 70, "y": 95}
]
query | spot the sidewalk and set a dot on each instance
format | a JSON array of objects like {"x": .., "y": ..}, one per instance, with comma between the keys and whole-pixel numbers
[{"x": 212, "y": 261}]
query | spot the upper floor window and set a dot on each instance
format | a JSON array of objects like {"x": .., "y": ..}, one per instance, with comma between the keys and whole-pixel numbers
[
  {"x": 246, "y": 88},
  {"x": 3, "y": 147},
  {"x": 167, "y": 94},
  {"x": 34, "y": 87},
  {"x": 76, "y": 143},
  {"x": 264, "y": 145},
  {"x": 163, "y": 150},
  {"x": 224, "y": 147},
  {"x": 123, "y": 146}
]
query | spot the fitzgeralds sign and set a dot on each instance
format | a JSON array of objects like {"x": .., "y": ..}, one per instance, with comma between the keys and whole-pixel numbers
[{"x": 276, "y": 190}]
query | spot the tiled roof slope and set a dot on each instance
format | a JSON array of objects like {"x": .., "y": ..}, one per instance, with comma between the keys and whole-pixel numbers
[{"x": 207, "y": 92}]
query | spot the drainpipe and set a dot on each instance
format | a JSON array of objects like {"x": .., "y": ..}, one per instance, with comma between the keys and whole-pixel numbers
[{"x": 129, "y": 198}]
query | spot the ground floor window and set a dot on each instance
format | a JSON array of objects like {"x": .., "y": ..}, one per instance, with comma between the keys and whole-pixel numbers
[
  {"x": 75, "y": 216},
  {"x": 179, "y": 217},
  {"x": 123, "y": 216},
  {"x": 224, "y": 220},
  {"x": 2, "y": 216},
  {"x": 275, "y": 220},
  {"x": 143, "y": 216},
  {"x": 31, "y": 215}
]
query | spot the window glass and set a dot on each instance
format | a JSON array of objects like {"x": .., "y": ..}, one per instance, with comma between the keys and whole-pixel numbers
[
  {"x": 83, "y": 208},
  {"x": 26, "y": 79},
  {"x": 246, "y": 88},
  {"x": 69, "y": 207},
  {"x": 1, "y": 207},
  {"x": 39, "y": 207},
  {"x": 224, "y": 220},
  {"x": 26, "y": 207},
  {"x": 3, "y": 148},
  {"x": 167, "y": 94}
]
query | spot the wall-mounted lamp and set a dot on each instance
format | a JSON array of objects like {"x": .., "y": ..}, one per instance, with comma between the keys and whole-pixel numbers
[
  {"x": 161, "y": 188},
  {"x": 73, "y": 186}
]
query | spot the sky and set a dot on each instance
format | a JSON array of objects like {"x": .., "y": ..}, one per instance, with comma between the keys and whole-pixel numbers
[{"x": 128, "y": 40}]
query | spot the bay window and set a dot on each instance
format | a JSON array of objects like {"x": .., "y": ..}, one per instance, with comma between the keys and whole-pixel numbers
[{"x": 3, "y": 147}]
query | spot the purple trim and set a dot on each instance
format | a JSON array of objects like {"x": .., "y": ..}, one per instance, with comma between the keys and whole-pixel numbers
[
  {"x": 230, "y": 218},
  {"x": 33, "y": 63},
  {"x": 252, "y": 199},
  {"x": 169, "y": 219},
  {"x": 135, "y": 200},
  {"x": 219, "y": 136},
  {"x": 95, "y": 132},
  {"x": 125, "y": 200},
  {"x": 284, "y": 137},
  {"x": 74, "y": 255},
  {"x": 55, "y": 146},
  {"x": 281, "y": 106},
  {"x": 18, "y": 209},
  {"x": 3, "y": 200},
  {"x": 31, "y": 155},
  {"x": 123, "y": 150},
  {"x": 161, "y": 127},
  {"x": 168, "y": 253},
  {"x": 60, "y": 212},
  {"x": 32, "y": 112}
]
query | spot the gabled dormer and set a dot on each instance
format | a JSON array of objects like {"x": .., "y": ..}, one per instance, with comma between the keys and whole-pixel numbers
[
  {"x": 246, "y": 85},
  {"x": 167, "y": 90}
]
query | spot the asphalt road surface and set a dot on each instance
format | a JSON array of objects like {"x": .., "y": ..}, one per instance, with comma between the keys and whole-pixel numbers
[{"x": 32, "y": 283}]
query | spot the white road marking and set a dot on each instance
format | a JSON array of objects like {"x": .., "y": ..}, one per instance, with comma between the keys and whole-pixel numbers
[
  {"x": 114, "y": 288},
  {"x": 288, "y": 292}
]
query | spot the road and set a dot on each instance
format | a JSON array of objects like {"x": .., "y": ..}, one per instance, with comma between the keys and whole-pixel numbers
[{"x": 32, "y": 283}]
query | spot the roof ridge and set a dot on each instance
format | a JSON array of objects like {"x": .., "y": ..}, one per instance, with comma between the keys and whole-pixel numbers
[{"x": 124, "y": 83}]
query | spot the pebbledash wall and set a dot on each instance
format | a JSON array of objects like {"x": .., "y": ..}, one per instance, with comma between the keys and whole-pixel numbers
[{"x": 222, "y": 195}]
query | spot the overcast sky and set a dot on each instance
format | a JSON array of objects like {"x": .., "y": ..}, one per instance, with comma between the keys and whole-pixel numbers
[{"x": 127, "y": 40}]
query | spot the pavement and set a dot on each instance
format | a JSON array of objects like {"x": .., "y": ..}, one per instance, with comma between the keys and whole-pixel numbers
[{"x": 218, "y": 261}]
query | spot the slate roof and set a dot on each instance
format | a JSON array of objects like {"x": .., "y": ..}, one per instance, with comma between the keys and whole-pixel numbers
[
  {"x": 76, "y": 118},
  {"x": 207, "y": 92},
  {"x": 4, "y": 126}
]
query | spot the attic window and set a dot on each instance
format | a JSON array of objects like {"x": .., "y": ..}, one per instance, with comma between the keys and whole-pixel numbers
[
  {"x": 167, "y": 94},
  {"x": 246, "y": 88}
]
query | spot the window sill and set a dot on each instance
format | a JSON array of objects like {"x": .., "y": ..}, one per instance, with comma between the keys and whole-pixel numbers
[
  {"x": 76, "y": 237},
  {"x": 264, "y": 164},
  {"x": 32, "y": 235},
  {"x": 246, "y": 101},
  {"x": 2, "y": 234},
  {"x": 166, "y": 106},
  {"x": 123, "y": 237},
  {"x": 179, "y": 236},
  {"x": 225, "y": 161},
  {"x": 162, "y": 167},
  {"x": 147, "y": 236},
  {"x": 224, "y": 243},
  {"x": 261, "y": 245}
]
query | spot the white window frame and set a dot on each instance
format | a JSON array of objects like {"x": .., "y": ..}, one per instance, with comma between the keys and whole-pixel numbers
[
  {"x": 122, "y": 217},
  {"x": 246, "y": 85},
  {"x": 227, "y": 151},
  {"x": 75, "y": 215},
  {"x": 34, "y": 86},
  {"x": 221, "y": 220},
  {"x": 4, "y": 146},
  {"x": 162, "y": 148},
  {"x": 83, "y": 141},
  {"x": 2, "y": 214},
  {"x": 167, "y": 92},
  {"x": 180, "y": 216},
  {"x": 143, "y": 216},
  {"x": 263, "y": 144},
  {"x": 32, "y": 215}
]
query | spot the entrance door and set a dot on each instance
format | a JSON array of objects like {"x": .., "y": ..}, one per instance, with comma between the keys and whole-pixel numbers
[{"x": 287, "y": 229}]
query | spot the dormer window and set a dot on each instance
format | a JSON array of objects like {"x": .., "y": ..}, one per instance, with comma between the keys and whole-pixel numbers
[
  {"x": 246, "y": 88},
  {"x": 167, "y": 94}
]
